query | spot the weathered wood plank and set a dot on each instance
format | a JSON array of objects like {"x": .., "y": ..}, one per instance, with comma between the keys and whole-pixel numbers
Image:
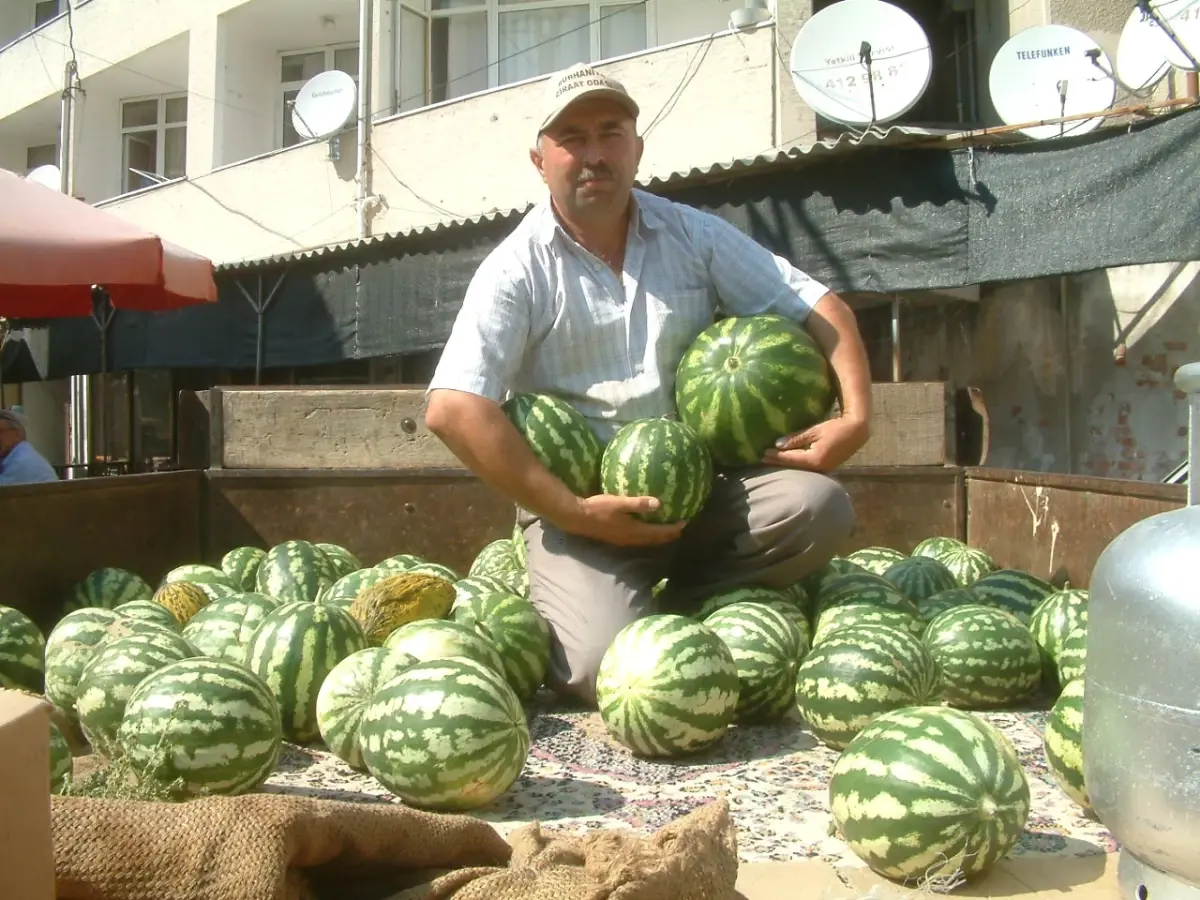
[{"x": 912, "y": 424}]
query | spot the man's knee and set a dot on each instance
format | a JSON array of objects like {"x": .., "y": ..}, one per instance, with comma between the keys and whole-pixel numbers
[
  {"x": 575, "y": 658},
  {"x": 805, "y": 517}
]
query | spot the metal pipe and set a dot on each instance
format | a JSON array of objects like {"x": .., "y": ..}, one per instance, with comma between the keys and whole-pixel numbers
[
  {"x": 1064, "y": 314},
  {"x": 366, "y": 69},
  {"x": 1187, "y": 379},
  {"x": 896, "y": 365}
]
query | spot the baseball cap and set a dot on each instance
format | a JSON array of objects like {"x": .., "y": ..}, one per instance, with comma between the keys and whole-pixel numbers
[{"x": 577, "y": 82}]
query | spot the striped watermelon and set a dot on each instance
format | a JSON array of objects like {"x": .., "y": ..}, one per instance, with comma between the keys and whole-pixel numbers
[
  {"x": 937, "y": 547},
  {"x": 198, "y": 573},
  {"x": 766, "y": 646},
  {"x": 1072, "y": 655},
  {"x": 929, "y": 793},
  {"x": 856, "y": 674},
  {"x": 746, "y": 381},
  {"x": 560, "y": 437},
  {"x": 345, "y": 694},
  {"x": 202, "y": 726},
  {"x": 814, "y": 583},
  {"x": 931, "y": 607},
  {"x": 919, "y": 577},
  {"x": 1055, "y": 618},
  {"x": 967, "y": 564},
  {"x": 838, "y": 617},
  {"x": 112, "y": 674},
  {"x": 659, "y": 458},
  {"x": 1013, "y": 590},
  {"x": 62, "y": 763},
  {"x": 342, "y": 560},
  {"x": 783, "y": 601},
  {"x": 518, "y": 632},
  {"x": 22, "y": 652},
  {"x": 446, "y": 735},
  {"x": 861, "y": 587},
  {"x": 107, "y": 588},
  {"x": 224, "y": 627},
  {"x": 1062, "y": 742},
  {"x": 343, "y": 591},
  {"x": 434, "y": 639},
  {"x": 401, "y": 562},
  {"x": 987, "y": 657},
  {"x": 149, "y": 611},
  {"x": 467, "y": 589},
  {"x": 667, "y": 685},
  {"x": 240, "y": 566},
  {"x": 212, "y": 590},
  {"x": 431, "y": 568},
  {"x": 294, "y": 570},
  {"x": 876, "y": 560},
  {"x": 294, "y": 648},
  {"x": 520, "y": 550}
]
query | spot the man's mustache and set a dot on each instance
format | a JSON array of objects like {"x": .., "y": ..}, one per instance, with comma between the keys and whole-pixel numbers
[{"x": 591, "y": 172}]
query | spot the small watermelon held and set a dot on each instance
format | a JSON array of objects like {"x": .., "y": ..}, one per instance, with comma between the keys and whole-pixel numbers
[
  {"x": 746, "y": 381},
  {"x": 347, "y": 691},
  {"x": 667, "y": 686},
  {"x": 560, "y": 437},
  {"x": 659, "y": 458},
  {"x": 1062, "y": 742},
  {"x": 766, "y": 646},
  {"x": 987, "y": 657},
  {"x": 960, "y": 807}
]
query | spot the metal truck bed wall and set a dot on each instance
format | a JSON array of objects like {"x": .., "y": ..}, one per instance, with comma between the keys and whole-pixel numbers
[{"x": 1052, "y": 525}]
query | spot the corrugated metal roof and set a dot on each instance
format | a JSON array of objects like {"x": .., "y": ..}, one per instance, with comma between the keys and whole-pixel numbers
[{"x": 771, "y": 160}]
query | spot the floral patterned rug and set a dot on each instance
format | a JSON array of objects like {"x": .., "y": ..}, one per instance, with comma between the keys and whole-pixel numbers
[{"x": 774, "y": 777}]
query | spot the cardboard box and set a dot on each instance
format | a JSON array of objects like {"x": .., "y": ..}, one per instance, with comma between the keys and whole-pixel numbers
[{"x": 26, "y": 841}]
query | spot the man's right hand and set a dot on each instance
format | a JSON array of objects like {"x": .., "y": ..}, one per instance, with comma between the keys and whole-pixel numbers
[{"x": 610, "y": 518}]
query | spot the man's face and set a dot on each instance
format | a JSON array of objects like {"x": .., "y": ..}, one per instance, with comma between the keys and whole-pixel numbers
[
  {"x": 10, "y": 436},
  {"x": 589, "y": 158}
]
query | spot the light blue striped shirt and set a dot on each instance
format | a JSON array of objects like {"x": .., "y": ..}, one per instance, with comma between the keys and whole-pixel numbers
[
  {"x": 24, "y": 465},
  {"x": 543, "y": 314}
]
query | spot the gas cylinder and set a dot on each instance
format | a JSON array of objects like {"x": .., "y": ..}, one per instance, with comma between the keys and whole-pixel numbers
[{"x": 1141, "y": 705}]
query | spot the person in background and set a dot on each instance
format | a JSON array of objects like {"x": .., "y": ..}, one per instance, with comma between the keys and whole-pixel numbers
[{"x": 20, "y": 463}]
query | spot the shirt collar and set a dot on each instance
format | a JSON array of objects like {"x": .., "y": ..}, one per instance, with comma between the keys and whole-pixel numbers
[{"x": 645, "y": 219}]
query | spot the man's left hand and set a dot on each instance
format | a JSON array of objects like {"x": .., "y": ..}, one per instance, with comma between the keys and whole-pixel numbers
[{"x": 821, "y": 448}]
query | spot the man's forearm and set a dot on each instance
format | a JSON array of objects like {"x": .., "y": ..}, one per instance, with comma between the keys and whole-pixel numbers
[
  {"x": 834, "y": 327},
  {"x": 479, "y": 433}
]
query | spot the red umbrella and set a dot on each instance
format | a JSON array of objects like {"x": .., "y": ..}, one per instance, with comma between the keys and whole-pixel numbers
[{"x": 54, "y": 248}]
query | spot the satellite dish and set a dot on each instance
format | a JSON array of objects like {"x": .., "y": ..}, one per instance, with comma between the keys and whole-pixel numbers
[
  {"x": 859, "y": 62},
  {"x": 1051, "y": 72},
  {"x": 1147, "y": 52},
  {"x": 324, "y": 104},
  {"x": 47, "y": 176}
]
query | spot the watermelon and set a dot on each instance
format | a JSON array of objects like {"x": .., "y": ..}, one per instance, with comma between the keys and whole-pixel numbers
[
  {"x": 294, "y": 570},
  {"x": 1012, "y": 590},
  {"x": 783, "y": 601},
  {"x": 433, "y": 639},
  {"x": 766, "y": 646},
  {"x": 240, "y": 566},
  {"x": 520, "y": 550},
  {"x": 149, "y": 611},
  {"x": 931, "y": 607},
  {"x": 937, "y": 547},
  {"x": 343, "y": 591},
  {"x": 517, "y": 630},
  {"x": 198, "y": 573},
  {"x": 659, "y": 458},
  {"x": 112, "y": 674},
  {"x": 1072, "y": 655},
  {"x": 1062, "y": 742},
  {"x": 560, "y": 437},
  {"x": 500, "y": 562},
  {"x": 967, "y": 564},
  {"x": 861, "y": 587},
  {"x": 838, "y": 617},
  {"x": 62, "y": 763},
  {"x": 445, "y": 735},
  {"x": 202, "y": 725},
  {"x": 342, "y": 560},
  {"x": 929, "y": 793},
  {"x": 1053, "y": 620},
  {"x": 292, "y": 650},
  {"x": 859, "y": 672},
  {"x": 22, "y": 652},
  {"x": 746, "y": 381},
  {"x": 224, "y": 627},
  {"x": 876, "y": 560},
  {"x": 401, "y": 562},
  {"x": 345, "y": 694},
  {"x": 919, "y": 577},
  {"x": 107, "y": 588},
  {"x": 212, "y": 590},
  {"x": 667, "y": 686},
  {"x": 987, "y": 657},
  {"x": 812, "y": 584},
  {"x": 467, "y": 589}
]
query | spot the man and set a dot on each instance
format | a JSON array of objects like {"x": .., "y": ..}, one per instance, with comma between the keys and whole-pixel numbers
[
  {"x": 594, "y": 297},
  {"x": 20, "y": 463}
]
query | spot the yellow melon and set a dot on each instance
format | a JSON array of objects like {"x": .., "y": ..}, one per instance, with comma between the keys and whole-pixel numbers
[
  {"x": 182, "y": 598},
  {"x": 398, "y": 599}
]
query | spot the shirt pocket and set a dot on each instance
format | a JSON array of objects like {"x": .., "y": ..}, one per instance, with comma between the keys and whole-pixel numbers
[{"x": 677, "y": 318}]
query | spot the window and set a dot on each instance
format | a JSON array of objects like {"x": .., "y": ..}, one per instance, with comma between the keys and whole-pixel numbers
[
  {"x": 42, "y": 155},
  {"x": 473, "y": 45},
  {"x": 153, "y": 141},
  {"x": 44, "y": 11},
  {"x": 295, "y": 68}
]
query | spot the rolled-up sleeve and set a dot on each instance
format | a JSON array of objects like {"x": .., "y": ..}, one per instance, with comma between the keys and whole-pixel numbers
[
  {"x": 487, "y": 343},
  {"x": 751, "y": 280}
]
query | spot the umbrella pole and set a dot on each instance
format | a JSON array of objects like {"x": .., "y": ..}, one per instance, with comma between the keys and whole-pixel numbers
[
  {"x": 260, "y": 307},
  {"x": 102, "y": 314}
]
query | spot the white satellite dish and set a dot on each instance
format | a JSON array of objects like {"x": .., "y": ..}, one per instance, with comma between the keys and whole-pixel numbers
[
  {"x": 859, "y": 62},
  {"x": 324, "y": 104},
  {"x": 1051, "y": 72},
  {"x": 47, "y": 176},
  {"x": 1147, "y": 52}
]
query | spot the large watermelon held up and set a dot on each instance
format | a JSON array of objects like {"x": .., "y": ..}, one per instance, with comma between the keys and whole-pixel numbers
[
  {"x": 659, "y": 458},
  {"x": 560, "y": 437},
  {"x": 747, "y": 381}
]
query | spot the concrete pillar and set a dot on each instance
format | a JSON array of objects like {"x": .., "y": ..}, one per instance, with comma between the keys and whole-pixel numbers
[
  {"x": 795, "y": 122},
  {"x": 207, "y": 48}
]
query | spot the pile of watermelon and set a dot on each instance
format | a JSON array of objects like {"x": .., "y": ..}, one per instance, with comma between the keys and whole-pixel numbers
[{"x": 403, "y": 669}]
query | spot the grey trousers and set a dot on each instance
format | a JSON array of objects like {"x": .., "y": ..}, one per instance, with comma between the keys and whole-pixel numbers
[{"x": 763, "y": 526}]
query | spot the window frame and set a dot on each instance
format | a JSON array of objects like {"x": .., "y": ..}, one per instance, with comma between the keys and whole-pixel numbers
[
  {"x": 161, "y": 127},
  {"x": 29, "y": 153},
  {"x": 282, "y": 87},
  {"x": 58, "y": 11}
]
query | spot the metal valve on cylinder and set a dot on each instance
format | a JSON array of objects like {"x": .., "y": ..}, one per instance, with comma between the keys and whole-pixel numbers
[{"x": 1141, "y": 706}]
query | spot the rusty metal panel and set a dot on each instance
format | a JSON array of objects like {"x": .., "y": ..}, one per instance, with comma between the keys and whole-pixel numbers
[
  {"x": 444, "y": 516},
  {"x": 1056, "y": 526},
  {"x": 899, "y": 507},
  {"x": 55, "y": 534}
]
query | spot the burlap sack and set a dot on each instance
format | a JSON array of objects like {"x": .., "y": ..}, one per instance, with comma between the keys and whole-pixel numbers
[{"x": 280, "y": 847}]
